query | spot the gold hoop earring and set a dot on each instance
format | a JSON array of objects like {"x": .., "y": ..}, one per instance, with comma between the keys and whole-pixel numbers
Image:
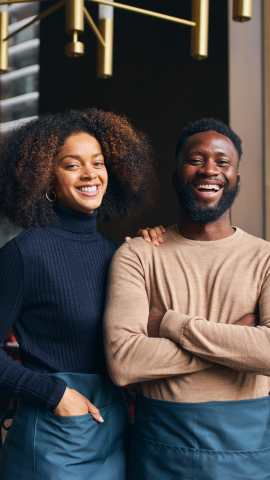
[{"x": 48, "y": 198}]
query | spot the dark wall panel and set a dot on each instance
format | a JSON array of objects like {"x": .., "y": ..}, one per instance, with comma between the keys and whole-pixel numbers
[{"x": 155, "y": 83}]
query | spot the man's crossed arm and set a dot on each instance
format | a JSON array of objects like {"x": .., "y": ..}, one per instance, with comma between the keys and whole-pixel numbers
[
  {"x": 155, "y": 319},
  {"x": 133, "y": 356},
  {"x": 244, "y": 349}
]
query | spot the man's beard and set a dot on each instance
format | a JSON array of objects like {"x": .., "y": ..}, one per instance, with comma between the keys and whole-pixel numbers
[{"x": 205, "y": 214}]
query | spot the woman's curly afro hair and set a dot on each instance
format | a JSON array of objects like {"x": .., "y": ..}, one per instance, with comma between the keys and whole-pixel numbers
[{"x": 27, "y": 165}]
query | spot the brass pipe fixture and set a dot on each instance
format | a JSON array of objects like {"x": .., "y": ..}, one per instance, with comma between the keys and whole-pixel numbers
[
  {"x": 76, "y": 11},
  {"x": 144, "y": 12},
  {"x": 94, "y": 27},
  {"x": 199, "y": 34},
  {"x": 242, "y": 10},
  {"x": 74, "y": 26},
  {"x": 105, "y": 52},
  {"x": 9, "y": 2},
  {"x": 74, "y": 16},
  {"x": 3, "y": 42}
]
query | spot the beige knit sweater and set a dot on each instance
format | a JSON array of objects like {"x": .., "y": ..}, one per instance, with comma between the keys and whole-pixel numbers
[{"x": 202, "y": 288}]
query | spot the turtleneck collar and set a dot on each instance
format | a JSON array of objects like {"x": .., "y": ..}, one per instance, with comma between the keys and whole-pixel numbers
[
  {"x": 74, "y": 221},
  {"x": 75, "y": 225}
]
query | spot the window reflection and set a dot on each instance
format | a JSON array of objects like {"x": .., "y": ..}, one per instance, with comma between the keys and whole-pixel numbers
[
  {"x": 27, "y": 34},
  {"x": 20, "y": 12},
  {"x": 24, "y": 58},
  {"x": 19, "y": 87}
]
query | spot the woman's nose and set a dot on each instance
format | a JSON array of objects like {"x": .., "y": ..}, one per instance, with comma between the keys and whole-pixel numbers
[{"x": 88, "y": 174}]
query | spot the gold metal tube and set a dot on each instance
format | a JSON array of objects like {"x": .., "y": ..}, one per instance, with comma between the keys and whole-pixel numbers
[
  {"x": 94, "y": 27},
  {"x": 3, "y": 42},
  {"x": 9, "y": 2},
  {"x": 74, "y": 25},
  {"x": 105, "y": 53},
  {"x": 199, "y": 33},
  {"x": 75, "y": 48},
  {"x": 145, "y": 12},
  {"x": 242, "y": 10},
  {"x": 74, "y": 16}
]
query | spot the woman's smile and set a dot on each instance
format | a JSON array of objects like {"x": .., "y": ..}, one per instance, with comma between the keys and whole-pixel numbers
[{"x": 89, "y": 190}]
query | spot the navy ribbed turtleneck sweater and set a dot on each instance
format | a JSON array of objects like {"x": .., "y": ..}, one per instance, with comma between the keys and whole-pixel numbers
[{"x": 52, "y": 291}]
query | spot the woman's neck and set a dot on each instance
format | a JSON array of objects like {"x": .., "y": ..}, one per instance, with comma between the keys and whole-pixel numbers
[{"x": 75, "y": 221}]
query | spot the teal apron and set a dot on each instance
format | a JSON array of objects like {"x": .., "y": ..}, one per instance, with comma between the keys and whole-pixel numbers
[
  {"x": 44, "y": 446},
  {"x": 200, "y": 441}
]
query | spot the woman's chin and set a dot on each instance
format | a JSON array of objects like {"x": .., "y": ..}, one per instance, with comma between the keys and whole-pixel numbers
[
  {"x": 88, "y": 206},
  {"x": 81, "y": 203}
]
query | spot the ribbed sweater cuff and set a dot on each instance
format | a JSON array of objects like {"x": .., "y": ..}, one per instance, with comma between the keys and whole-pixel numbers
[
  {"x": 172, "y": 326},
  {"x": 57, "y": 394},
  {"x": 48, "y": 394}
]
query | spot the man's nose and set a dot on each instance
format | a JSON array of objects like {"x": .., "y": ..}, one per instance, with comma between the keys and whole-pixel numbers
[{"x": 209, "y": 168}]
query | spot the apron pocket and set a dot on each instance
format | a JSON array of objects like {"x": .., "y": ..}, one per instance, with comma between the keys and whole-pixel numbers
[
  {"x": 153, "y": 460},
  {"x": 247, "y": 465},
  {"x": 160, "y": 461},
  {"x": 72, "y": 447}
]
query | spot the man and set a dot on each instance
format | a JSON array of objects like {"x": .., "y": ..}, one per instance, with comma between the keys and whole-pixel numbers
[{"x": 200, "y": 373}]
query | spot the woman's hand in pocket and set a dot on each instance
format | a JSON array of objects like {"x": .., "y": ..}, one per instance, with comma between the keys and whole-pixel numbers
[{"x": 73, "y": 404}]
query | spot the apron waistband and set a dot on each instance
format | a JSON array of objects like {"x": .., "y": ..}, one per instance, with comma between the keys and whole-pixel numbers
[
  {"x": 222, "y": 426},
  {"x": 98, "y": 388}
]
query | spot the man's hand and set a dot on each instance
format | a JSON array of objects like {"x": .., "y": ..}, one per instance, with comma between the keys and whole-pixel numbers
[
  {"x": 250, "y": 320},
  {"x": 154, "y": 235},
  {"x": 153, "y": 325}
]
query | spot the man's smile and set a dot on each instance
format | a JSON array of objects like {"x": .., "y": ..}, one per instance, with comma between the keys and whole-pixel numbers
[{"x": 206, "y": 190}]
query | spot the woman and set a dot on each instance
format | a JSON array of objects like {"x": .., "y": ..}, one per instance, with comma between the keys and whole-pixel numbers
[{"x": 54, "y": 172}]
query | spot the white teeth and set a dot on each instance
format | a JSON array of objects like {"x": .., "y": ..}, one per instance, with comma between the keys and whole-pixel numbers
[
  {"x": 209, "y": 187},
  {"x": 89, "y": 189}
]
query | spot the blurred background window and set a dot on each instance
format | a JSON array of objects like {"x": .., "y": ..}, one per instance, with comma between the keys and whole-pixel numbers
[{"x": 19, "y": 88}]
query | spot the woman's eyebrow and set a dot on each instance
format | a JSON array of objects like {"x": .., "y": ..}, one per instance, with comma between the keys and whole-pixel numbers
[
  {"x": 78, "y": 157},
  {"x": 72, "y": 156}
]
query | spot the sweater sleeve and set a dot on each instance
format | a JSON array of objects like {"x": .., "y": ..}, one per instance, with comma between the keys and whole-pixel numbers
[
  {"x": 131, "y": 355},
  {"x": 245, "y": 349},
  {"x": 15, "y": 380}
]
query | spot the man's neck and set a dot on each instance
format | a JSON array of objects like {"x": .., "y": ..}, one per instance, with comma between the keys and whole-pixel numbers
[{"x": 205, "y": 232}]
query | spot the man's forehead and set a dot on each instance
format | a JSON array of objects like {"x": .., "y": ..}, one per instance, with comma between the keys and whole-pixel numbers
[{"x": 210, "y": 140}]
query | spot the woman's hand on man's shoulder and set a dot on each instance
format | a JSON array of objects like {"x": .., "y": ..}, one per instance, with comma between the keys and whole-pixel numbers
[{"x": 154, "y": 235}]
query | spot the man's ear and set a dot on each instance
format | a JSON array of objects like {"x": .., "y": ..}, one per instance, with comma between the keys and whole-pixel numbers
[{"x": 239, "y": 180}]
